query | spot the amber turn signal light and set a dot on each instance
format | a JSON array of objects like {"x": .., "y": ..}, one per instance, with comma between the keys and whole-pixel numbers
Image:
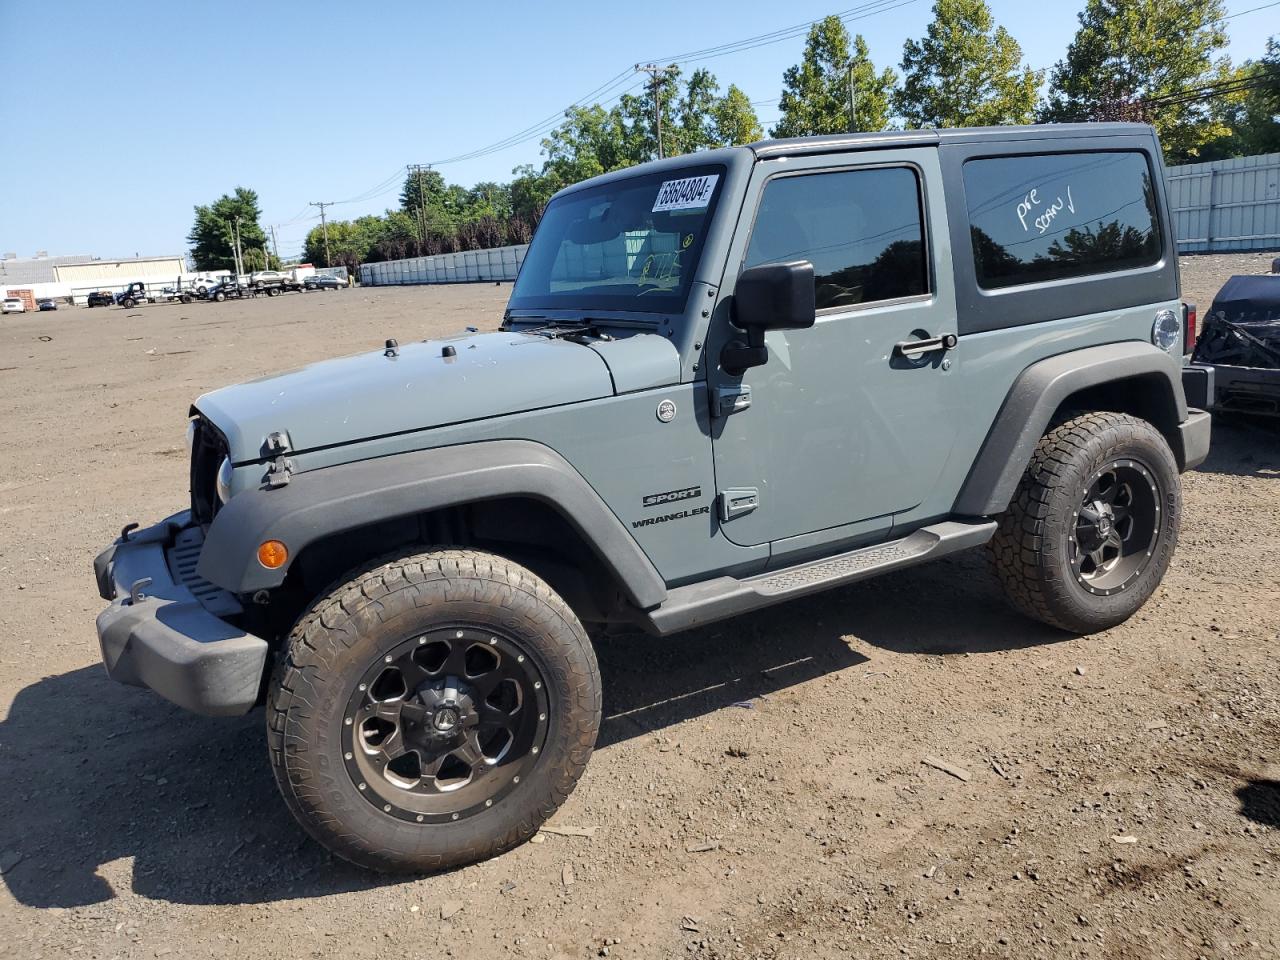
[{"x": 272, "y": 554}]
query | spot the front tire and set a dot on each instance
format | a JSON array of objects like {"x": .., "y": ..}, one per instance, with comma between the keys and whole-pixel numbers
[
  {"x": 432, "y": 711},
  {"x": 1093, "y": 524}
]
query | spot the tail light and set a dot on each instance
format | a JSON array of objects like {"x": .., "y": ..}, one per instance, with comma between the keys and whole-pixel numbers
[{"x": 1188, "y": 327}]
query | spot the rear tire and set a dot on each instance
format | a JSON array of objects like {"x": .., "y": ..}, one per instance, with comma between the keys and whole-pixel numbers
[
  {"x": 1093, "y": 524},
  {"x": 384, "y": 682}
]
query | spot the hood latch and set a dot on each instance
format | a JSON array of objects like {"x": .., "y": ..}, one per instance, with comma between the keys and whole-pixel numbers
[{"x": 280, "y": 471}]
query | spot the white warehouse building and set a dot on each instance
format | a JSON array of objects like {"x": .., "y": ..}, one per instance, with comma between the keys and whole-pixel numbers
[{"x": 76, "y": 276}]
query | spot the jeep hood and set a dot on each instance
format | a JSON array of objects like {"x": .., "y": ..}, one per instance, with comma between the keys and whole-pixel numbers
[{"x": 489, "y": 374}]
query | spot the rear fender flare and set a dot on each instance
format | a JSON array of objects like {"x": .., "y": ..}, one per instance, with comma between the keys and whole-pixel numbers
[
  {"x": 1036, "y": 395},
  {"x": 315, "y": 505}
]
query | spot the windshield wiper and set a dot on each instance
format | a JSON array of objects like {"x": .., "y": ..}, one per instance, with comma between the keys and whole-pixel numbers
[{"x": 576, "y": 331}]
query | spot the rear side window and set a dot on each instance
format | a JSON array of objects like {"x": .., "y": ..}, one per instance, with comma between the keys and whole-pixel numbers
[
  {"x": 1060, "y": 216},
  {"x": 861, "y": 229}
]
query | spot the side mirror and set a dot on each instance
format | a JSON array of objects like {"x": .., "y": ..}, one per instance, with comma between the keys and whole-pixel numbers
[{"x": 773, "y": 296}]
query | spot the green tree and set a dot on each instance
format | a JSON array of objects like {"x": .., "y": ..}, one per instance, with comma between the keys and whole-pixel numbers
[
  {"x": 591, "y": 141},
  {"x": 212, "y": 236},
  {"x": 705, "y": 119},
  {"x": 1253, "y": 116},
  {"x": 349, "y": 243},
  {"x": 815, "y": 95},
  {"x": 965, "y": 71},
  {"x": 489, "y": 200},
  {"x": 531, "y": 190},
  {"x": 1136, "y": 60},
  {"x": 733, "y": 120},
  {"x": 422, "y": 187}
]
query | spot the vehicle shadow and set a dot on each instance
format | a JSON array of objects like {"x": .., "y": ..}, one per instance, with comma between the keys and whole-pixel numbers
[
  {"x": 109, "y": 787},
  {"x": 952, "y": 606},
  {"x": 1260, "y": 802},
  {"x": 1244, "y": 446}
]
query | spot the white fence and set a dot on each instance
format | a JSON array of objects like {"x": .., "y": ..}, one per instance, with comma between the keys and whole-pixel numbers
[
  {"x": 470, "y": 266},
  {"x": 1226, "y": 204}
]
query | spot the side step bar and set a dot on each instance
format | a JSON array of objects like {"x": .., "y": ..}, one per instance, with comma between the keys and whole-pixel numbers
[{"x": 700, "y": 603}]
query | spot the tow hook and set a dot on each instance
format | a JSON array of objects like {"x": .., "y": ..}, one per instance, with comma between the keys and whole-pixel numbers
[{"x": 135, "y": 591}]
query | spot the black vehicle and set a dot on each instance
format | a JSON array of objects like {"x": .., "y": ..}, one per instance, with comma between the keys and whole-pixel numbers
[
  {"x": 102, "y": 298},
  {"x": 46, "y": 304},
  {"x": 1236, "y": 363},
  {"x": 323, "y": 283},
  {"x": 229, "y": 287}
]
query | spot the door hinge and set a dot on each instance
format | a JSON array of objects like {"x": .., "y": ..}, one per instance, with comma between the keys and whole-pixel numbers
[
  {"x": 727, "y": 400},
  {"x": 738, "y": 501}
]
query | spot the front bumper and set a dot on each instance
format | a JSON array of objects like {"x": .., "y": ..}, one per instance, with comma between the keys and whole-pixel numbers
[{"x": 165, "y": 628}]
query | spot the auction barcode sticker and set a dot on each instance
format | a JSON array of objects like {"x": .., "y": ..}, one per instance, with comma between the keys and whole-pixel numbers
[{"x": 691, "y": 193}]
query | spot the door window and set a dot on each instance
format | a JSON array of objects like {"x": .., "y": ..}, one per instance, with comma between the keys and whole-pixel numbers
[{"x": 861, "y": 229}]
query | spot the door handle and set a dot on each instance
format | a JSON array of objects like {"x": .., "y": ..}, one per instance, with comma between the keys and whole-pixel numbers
[{"x": 918, "y": 348}]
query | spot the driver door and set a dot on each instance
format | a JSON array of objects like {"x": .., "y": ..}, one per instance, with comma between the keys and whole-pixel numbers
[{"x": 839, "y": 430}]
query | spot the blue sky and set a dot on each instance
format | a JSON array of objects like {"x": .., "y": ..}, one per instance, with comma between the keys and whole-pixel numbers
[{"x": 121, "y": 116}]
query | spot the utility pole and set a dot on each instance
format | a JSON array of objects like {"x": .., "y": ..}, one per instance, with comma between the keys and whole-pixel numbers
[
  {"x": 853, "y": 103},
  {"x": 655, "y": 84},
  {"x": 274, "y": 243},
  {"x": 324, "y": 225},
  {"x": 416, "y": 169},
  {"x": 234, "y": 224}
]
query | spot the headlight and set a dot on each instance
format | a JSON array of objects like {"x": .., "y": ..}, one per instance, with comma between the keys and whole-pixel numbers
[
  {"x": 191, "y": 436},
  {"x": 1166, "y": 331},
  {"x": 223, "y": 483}
]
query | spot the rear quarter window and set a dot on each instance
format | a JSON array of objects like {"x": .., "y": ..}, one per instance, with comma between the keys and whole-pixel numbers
[{"x": 1037, "y": 218}]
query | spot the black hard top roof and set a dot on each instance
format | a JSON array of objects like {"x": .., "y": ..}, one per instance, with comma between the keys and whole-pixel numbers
[
  {"x": 885, "y": 139},
  {"x": 835, "y": 143}
]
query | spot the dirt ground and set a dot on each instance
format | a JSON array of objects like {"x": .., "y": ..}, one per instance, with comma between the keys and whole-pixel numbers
[{"x": 758, "y": 788}]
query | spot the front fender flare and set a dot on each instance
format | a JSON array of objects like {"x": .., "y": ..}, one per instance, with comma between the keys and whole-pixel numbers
[
  {"x": 318, "y": 504},
  {"x": 1037, "y": 394}
]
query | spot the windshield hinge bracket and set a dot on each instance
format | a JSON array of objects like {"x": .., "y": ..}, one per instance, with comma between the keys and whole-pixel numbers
[
  {"x": 727, "y": 400},
  {"x": 280, "y": 469}
]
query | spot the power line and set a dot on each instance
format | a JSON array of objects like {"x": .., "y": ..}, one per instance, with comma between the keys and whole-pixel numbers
[
  {"x": 851, "y": 15},
  {"x": 538, "y": 130}
]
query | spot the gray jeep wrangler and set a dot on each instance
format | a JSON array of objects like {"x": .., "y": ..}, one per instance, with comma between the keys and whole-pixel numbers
[{"x": 722, "y": 381}]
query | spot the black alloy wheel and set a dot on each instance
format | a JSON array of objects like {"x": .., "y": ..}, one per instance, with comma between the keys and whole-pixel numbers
[
  {"x": 445, "y": 724},
  {"x": 1116, "y": 527}
]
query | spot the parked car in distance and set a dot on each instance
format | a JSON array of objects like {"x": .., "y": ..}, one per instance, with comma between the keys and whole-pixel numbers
[
  {"x": 102, "y": 298},
  {"x": 322, "y": 283},
  {"x": 46, "y": 304},
  {"x": 13, "y": 305},
  {"x": 816, "y": 360},
  {"x": 202, "y": 285}
]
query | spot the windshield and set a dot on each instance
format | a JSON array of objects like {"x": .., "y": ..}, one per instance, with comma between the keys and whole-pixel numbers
[{"x": 630, "y": 245}]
